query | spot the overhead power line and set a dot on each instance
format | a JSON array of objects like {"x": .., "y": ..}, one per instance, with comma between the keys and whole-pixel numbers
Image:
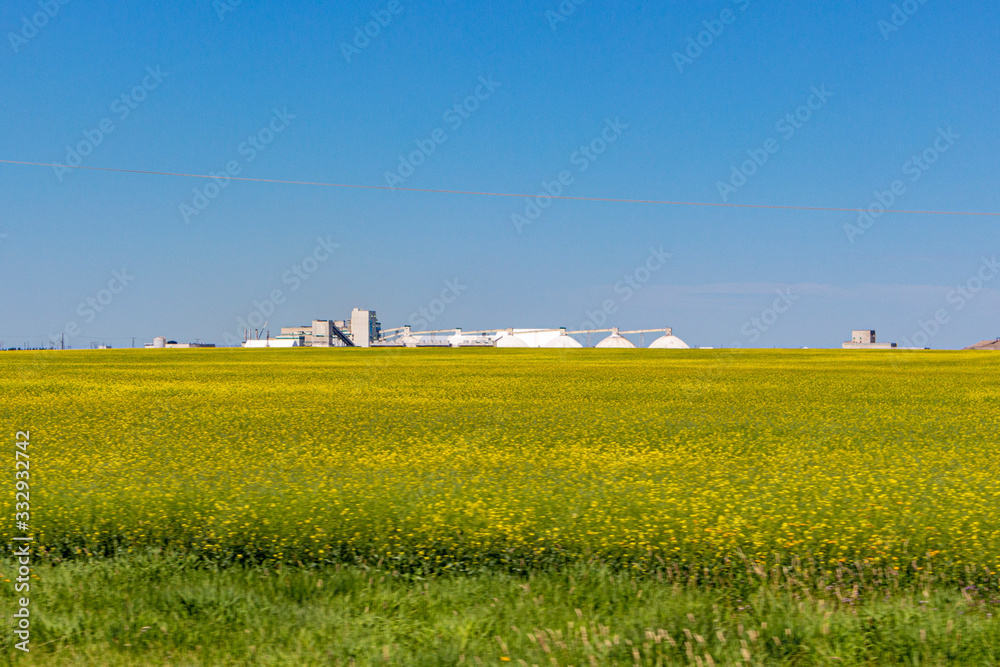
[{"x": 619, "y": 200}]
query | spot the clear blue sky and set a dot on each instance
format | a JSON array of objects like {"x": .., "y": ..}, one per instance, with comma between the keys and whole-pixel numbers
[{"x": 679, "y": 126}]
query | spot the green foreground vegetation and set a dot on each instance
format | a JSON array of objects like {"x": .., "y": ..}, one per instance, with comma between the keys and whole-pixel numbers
[{"x": 169, "y": 610}]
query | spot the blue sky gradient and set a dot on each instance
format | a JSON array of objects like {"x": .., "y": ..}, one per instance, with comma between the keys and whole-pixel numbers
[{"x": 203, "y": 84}]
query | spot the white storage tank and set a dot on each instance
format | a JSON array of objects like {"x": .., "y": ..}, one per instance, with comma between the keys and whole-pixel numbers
[
  {"x": 563, "y": 340},
  {"x": 508, "y": 339},
  {"x": 668, "y": 342},
  {"x": 160, "y": 341},
  {"x": 408, "y": 339},
  {"x": 615, "y": 340}
]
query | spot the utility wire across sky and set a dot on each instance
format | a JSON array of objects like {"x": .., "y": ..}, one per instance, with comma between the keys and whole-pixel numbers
[{"x": 504, "y": 194}]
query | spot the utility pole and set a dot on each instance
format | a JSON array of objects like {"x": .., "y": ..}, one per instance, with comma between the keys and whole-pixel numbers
[{"x": 62, "y": 341}]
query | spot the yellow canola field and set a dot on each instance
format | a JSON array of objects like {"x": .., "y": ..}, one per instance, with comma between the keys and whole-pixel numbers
[{"x": 456, "y": 459}]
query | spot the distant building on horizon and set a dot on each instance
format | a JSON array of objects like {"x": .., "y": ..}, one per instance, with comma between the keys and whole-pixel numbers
[
  {"x": 161, "y": 343},
  {"x": 864, "y": 339},
  {"x": 362, "y": 330}
]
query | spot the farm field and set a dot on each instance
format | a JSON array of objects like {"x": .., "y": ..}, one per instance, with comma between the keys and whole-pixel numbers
[{"x": 702, "y": 478}]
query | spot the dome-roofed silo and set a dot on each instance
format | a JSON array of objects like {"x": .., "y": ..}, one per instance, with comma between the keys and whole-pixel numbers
[
  {"x": 408, "y": 339},
  {"x": 615, "y": 340},
  {"x": 563, "y": 340},
  {"x": 668, "y": 341},
  {"x": 508, "y": 339}
]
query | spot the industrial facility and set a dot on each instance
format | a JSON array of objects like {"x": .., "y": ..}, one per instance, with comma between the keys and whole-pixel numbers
[{"x": 363, "y": 329}]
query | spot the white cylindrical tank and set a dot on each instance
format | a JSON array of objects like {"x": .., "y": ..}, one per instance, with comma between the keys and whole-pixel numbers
[
  {"x": 615, "y": 340},
  {"x": 160, "y": 341},
  {"x": 668, "y": 341}
]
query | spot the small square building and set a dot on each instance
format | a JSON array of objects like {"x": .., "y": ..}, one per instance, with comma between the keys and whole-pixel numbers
[{"x": 864, "y": 339}]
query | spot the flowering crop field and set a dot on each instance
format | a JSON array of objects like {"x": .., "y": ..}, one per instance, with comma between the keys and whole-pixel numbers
[{"x": 463, "y": 460}]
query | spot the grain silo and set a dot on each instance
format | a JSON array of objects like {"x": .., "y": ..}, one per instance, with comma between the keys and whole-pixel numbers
[
  {"x": 508, "y": 339},
  {"x": 615, "y": 340},
  {"x": 408, "y": 339},
  {"x": 668, "y": 341},
  {"x": 563, "y": 340}
]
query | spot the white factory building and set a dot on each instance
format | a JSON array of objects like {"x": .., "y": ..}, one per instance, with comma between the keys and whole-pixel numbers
[{"x": 362, "y": 329}]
